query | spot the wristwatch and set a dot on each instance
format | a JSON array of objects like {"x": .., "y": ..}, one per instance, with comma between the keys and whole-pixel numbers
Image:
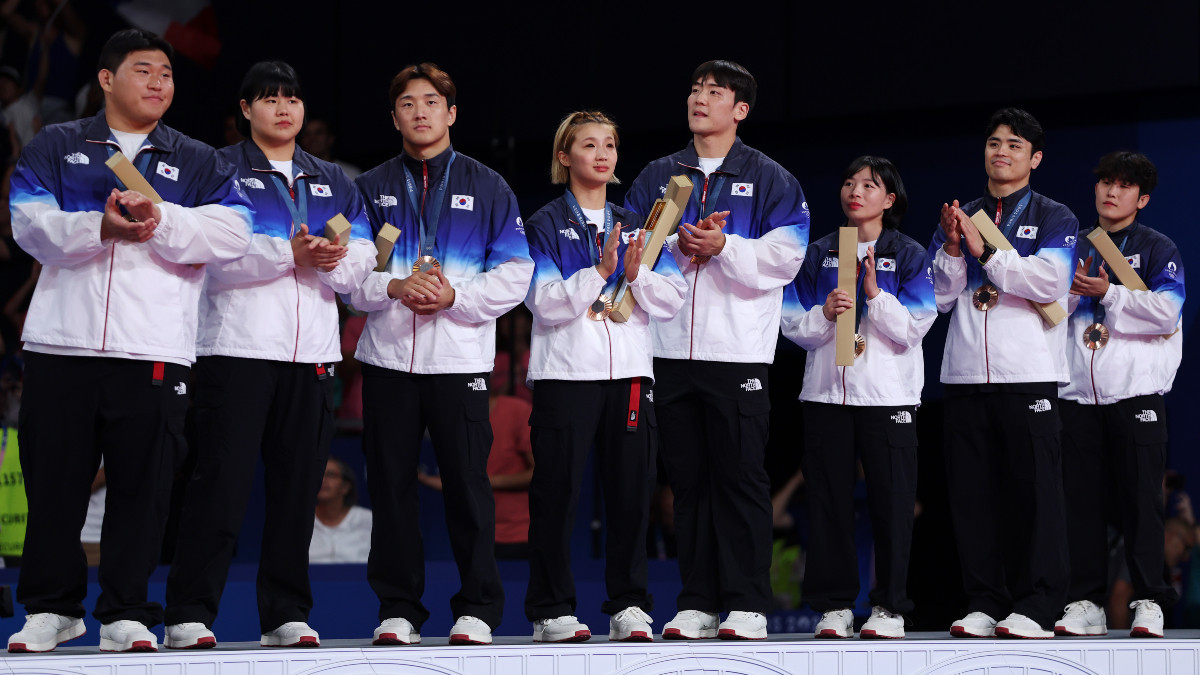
[{"x": 988, "y": 251}]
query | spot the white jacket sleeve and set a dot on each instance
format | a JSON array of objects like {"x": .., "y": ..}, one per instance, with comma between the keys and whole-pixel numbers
[
  {"x": 1141, "y": 312},
  {"x": 807, "y": 328},
  {"x": 56, "y": 237},
  {"x": 372, "y": 295},
  {"x": 556, "y": 300},
  {"x": 351, "y": 270},
  {"x": 949, "y": 278},
  {"x": 201, "y": 234},
  {"x": 488, "y": 295},
  {"x": 1040, "y": 278},
  {"x": 661, "y": 295},
  {"x": 891, "y": 318},
  {"x": 766, "y": 263},
  {"x": 268, "y": 258}
]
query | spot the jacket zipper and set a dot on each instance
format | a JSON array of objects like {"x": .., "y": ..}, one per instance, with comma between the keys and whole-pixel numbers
[
  {"x": 610, "y": 355},
  {"x": 296, "y": 279},
  {"x": 987, "y": 363},
  {"x": 1092, "y": 372},
  {"x": 696, "y": 281},
  {"x": 843, "y": 385},
  {"x": 108, "y": 295}
]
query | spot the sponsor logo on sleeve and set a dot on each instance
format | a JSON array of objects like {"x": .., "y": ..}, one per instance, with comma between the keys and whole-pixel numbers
[
  {"x": 743, "y": 190},
  {"x": 1172, "y": 268},
  {"x": 167, "y": 171},
  {"x": 1069, "y": 240},
  {"x": 319, "y": 190},
  {"x": 464, "y": 202},
  {"x": 520, "y": 225},
  {"x": 1027, "y": 232}
]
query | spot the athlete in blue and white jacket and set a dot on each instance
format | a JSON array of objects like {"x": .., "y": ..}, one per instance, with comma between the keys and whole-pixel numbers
[
  {"x": 865, "y": 411},
  {"x": 1123, "y": 348},
  {"x": 264, "y": 385},
  {"x": 592, "y": 380},
  {"x": 461, "y": 261}
]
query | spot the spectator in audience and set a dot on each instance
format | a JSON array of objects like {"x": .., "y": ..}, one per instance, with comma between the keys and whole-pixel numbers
[{"x": 342, "y": 530}]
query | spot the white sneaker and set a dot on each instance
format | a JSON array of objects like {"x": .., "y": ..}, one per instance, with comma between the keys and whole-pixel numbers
[
  {"x": 1147, "y": 619},
  {"x": 396, "y": 631},
  {"x": 975, "y": 624},
  {"x": 127, "y": 636},
  {"x": 560, "y": 629},
  {"x": 837, "y": 623},
  {"x": 883, "y": 624},
  {"x": 1082, "y": 617},
  {"x": 45, "y": 631},
  {"x": 470, "y": 631},
  {"x": 691, "y": 624},
  {"x": 743, "y": 626},
  {"x": 191, "y": 635},
  {"x": 630, "y": 625},
  {"x": 291, "y": 634},
  {"x": 1020, "y": 626}
]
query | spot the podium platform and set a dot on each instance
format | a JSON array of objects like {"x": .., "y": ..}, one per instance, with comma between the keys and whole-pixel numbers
[{"x": 919, "y": 654}]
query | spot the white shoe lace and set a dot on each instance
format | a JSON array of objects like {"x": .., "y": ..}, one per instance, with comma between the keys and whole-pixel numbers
[
  {"x": 744, "y": 616},
  {"x": 561, "y": 621},
  {"x": 632, "y": 613},
  {"x": 882, "y": 613},
  {"x": 1148, "y": 606}
]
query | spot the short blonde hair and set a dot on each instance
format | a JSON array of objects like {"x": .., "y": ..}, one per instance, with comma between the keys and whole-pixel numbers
[{"x": 565, "y": 137}]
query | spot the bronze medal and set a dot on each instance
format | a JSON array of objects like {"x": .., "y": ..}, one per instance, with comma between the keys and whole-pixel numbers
[
  {"x": 1095, "y": 336},
  {"x": 985, "y": 297},
  {"x": 426, "y": 264},
  {"x": 600, "y": 308},
  {"x": 860, "y": 345},
  {"x": 700, "y": 259}
]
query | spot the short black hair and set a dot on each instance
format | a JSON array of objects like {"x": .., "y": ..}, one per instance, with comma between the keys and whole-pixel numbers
[
  {"x": 131, "y": 40},
  {"x": 732, "y": 76},
  {"x": 430, "y": 72},
  {"x": 888, "y": 175},
  {"x": 264, "y": 79},
  {"x": 1022, "y": 123},
  {"x": 1128, "y": 167},
  {"x": 351, "y": 480}
]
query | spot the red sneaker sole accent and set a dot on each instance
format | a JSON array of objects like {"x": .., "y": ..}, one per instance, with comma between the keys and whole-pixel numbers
[
  {"x": 143, "y": 646},
  {"x": 463, "y": 639},
  {"x": 873, "y": 635},
  {"x": 1003, "y": 632},
  {"x": 307, "y": 641},
  {"x": 391, "y": 639},
  {"x": 203, "y": 643},
  {"x": 637, "y": 636},
  {"x": 956, "y": 631},
  {"x": 19, "y": 648},
  {"x": 830, "y": 633},
  {"x": 731, "y": 634},
  {"x": 1136, "y": 632},
  {"x": 1060, "y": 630}
]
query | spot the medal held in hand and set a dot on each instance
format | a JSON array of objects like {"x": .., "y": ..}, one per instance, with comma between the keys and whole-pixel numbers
[
  {"x": 985, "y": 297},
  {"x": 426, "y": 264},
  {"x": 1095, "y": 336},
  {"x": 860, "y": 345}
]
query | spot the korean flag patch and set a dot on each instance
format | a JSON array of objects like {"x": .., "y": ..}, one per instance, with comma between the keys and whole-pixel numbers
[
  {"x": 167, "y": 171},
  {"x": 319, "y": 190},
  {"x": 465, "y": 202},
  {"x": 743, "y": 190},
  {"x": 1135, "y": 260},
  {"x": 1027, "y": 232},
  {"x": 885, "y": 264}
]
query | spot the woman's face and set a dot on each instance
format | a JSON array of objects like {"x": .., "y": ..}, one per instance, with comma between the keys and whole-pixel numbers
[
  {"x": 274, "y": 120},
  {"x": 593, "y": 155},
  {"x": 864, "y": 197}
]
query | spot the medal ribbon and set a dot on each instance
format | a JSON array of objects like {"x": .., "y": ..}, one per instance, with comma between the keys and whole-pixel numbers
[
  {"x": 428, "y": 226},
  {"x": 975, "y": 272},
  {"x": 295, "y": 198},
  {"x": 712, "y": 185},
  {"x": 596, "y": 248},
  {"x": 860, "y": 302}
]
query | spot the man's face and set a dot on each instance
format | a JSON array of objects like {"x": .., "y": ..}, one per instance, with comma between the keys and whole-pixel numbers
[
  {"x": 1117, "y": 200},
  {"x": 712, "y": 109},
  {"x": 142, "y": 88},
  {"x": 316, "y": 138},
  {"x": 1009, "y": 157},
  {"x": 422, "y": 115}
]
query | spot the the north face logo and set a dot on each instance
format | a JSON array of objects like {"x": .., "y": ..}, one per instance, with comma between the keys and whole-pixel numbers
[
  {"x": 77, "y": 158},
  {"x": 570, "y": 234},
  {"x": 478, "y": 384},
  {"x": 902, "y": 417},
  {"x": 829, "y": 261},
  {"x": 386, "y": 200},
  {"x": 1147, "y": 416},
  {"x": 253, "y": 183},
  {"x": 1040, "y": 405},
  {"x": 181, "y": 389},
  {"x": 650, "y": 396},
  {"x": 752, "y": 384}
]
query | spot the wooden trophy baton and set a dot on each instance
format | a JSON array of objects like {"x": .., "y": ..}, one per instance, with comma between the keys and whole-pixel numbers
[
  {"x": 385, "y": 241},
  {"x": 337, "y": 230},
  {"x": 848, "y": 282},
  {"x": 1118, "y": 264},
  {"x": 131, "y": 177},
  {"x": 661, "y": 223},
  {"x": 1052, "y": 312}
]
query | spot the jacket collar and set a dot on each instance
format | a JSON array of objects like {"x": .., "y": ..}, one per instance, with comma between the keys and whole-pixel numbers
[
  {"x": 161, "y": 138},
  {"x": 733, "y": 161},
  {"x": 258, "y": 161}
]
